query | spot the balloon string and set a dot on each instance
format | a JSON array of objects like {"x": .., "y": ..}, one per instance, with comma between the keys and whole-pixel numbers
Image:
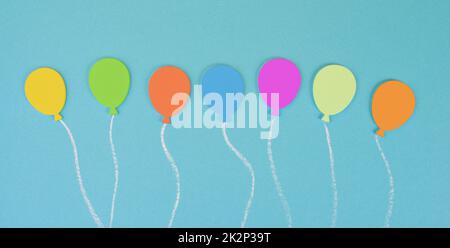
[
  {"x": 250, "y": 169},
  {"x": 391, "y": 184},
  {"x": 176, "y": 172},
  {"x": 333, "y": 178},
  {"x": 79, "y": 178},
  {"x": 116, "y": 171},
  {"x": 278, "y": 187}
]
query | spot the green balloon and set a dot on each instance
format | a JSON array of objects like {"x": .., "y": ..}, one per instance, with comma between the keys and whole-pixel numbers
[
  {"x": 333, "y": 89},
  {"x": 109, "y": 81}
]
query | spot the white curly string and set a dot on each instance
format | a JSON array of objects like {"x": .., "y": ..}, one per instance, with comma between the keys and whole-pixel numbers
[
  {"x": 250, "y": 170},
  {"x": 175, "y": 171},
  {"x": 80, "y": 180},
  {"x": 116, "y": 171},
  {"x": 387, "y": 222},
  {"x": 333, "y": 178},
  {"x": 281, "y": 196}
]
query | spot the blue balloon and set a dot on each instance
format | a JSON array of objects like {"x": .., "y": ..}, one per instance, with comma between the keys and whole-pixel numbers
[{"x": 222, "y": 79}]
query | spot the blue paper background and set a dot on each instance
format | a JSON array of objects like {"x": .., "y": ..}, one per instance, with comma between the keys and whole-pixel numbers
[{"x": 377, "y": 39}]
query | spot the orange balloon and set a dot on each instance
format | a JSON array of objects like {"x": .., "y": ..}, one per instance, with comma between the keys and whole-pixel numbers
[
  {"x": 163, "y": 89},
  {"x": 392, "y": 104}
]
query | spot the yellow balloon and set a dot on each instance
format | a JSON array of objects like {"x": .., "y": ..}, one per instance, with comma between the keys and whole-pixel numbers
[{"x": 46, "y": 91}]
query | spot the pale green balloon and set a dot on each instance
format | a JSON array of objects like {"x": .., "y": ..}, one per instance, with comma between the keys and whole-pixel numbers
[{"x": 333, "y": 89}]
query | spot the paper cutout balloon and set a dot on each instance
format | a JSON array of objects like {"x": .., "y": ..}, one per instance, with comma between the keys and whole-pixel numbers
[
  {"x": 223, "y": 79},
  {"x": 393, "y": 104},
  {"x": 109, "y": 81},
  {"x": 279, "y": 76},
  {"x": 46, "y": 91},
  {"x": 333, "y": 89},
  {"x": 164, "y": 85}
]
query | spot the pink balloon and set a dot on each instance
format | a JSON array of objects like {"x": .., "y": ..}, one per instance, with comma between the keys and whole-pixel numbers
[{"x": 279, "y": 76}]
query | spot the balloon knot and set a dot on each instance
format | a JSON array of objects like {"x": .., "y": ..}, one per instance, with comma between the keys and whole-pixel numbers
[
  {"x": 113, "y": 111},
  {"x": 380, "y": 133},
  {"x": 166, "y": 120},
  {"x": 326, "y": 118},
  {"x": 58, "y": 117}
]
